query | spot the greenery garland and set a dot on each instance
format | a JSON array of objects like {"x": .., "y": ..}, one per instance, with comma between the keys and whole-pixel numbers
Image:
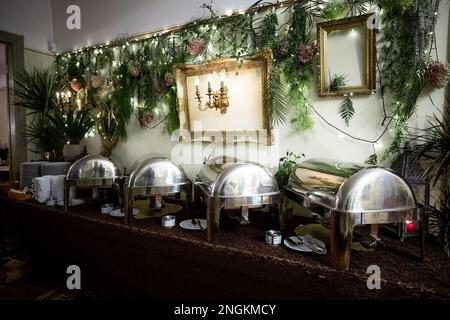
[{"x": 136, "y": 75}]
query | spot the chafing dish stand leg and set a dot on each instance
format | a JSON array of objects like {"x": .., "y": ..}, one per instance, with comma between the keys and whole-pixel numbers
[
  {"x": 128, "y": 210},
  {"x": 213, "y": 217},
  {"x": 422, "y": 223},
  {"x": 189, "y": 205},
  {"x": 66, "y": 196},
  {"x": 285, "y": 212},
  {"x": 341, "y": 229}
]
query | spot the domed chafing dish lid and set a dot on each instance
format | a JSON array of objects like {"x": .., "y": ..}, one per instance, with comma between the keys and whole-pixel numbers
[
  {"x": 351, "y": 187},
  {"x": 228, "y": 177},
  {"x": 157, "y": 172},
  {"x": 213, "y": 167},
  {"x": 93, "y": 167}
]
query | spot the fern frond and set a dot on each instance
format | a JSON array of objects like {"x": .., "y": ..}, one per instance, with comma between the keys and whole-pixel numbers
[{"x": 346, "y": 110}]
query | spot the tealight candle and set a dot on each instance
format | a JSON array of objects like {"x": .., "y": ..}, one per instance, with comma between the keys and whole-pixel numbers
[
  {"x": 273, "y": 237},
  {"x": 168, "y": 221},
  {"x": 107, "y": 208}
]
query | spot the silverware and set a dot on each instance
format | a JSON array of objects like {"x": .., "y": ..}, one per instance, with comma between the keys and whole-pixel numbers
[
  {"x": 197, "y": 221},
  {"x": 292, "y": 242},
  {"x": 309, "y": 242}
]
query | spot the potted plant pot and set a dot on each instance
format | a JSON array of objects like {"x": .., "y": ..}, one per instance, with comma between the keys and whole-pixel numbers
[{"x": 72, "y": 151}]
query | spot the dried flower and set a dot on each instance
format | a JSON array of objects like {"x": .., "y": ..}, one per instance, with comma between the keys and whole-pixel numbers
[
  {"x": 196, "y": 46},
  {"x": 75, "y": 85},
  {"x": 135, "y": 69},
  {"x": 147, "y": 118},
  {"x": 437, "y": 74},
  {"x": 168, "y": 79},
  {"x": 306, "y": 52}
]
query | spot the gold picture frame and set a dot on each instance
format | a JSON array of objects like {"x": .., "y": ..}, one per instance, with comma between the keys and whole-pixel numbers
[
  {"x": 260, "y": 132},
  {"x": 367, "y": 70}
]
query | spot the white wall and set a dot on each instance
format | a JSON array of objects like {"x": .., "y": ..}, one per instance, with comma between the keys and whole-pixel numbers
[
  {"x": 31, "y": 19},
  {"x": 102, "y": 20}
]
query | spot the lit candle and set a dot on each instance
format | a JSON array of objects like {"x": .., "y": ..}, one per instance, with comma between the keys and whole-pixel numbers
[
  {"x": 410, "y": 227},
  {"x": 196, "y": 84},
  {"x": 57, "y": 96},
  {"x": 79, "y": 104},
  {"x": 209, "y": 81},
  {"x": 222, "y": 79}
]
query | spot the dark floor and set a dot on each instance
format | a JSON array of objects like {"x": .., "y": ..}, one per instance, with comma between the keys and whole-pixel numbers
[{"x": 27, "y": 283}]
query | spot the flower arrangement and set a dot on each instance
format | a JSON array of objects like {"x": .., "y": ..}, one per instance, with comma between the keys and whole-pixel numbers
[
  {"x": 196, "y": 46},
  {"x": 306, "y": 52},
  {"x": 437, "y": 74}
]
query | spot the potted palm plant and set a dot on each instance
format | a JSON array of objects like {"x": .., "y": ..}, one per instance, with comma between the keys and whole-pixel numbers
[
  {"x": 433, "y": 146},
  {"x": 35, "y": 90},
  {"x": 72, "y": 125}
]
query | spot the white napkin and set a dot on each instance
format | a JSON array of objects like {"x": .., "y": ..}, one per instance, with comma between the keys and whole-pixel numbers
[
  {"x": 57, "y": 187},
  {"x": 41, "y": 188}
]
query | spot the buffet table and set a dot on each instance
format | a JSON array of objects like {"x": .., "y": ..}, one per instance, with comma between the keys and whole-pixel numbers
[{"x": 146, "y": 260}]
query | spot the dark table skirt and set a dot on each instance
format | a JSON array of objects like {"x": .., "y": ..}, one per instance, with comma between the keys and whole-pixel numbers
[{"x": 145, "y": 260}]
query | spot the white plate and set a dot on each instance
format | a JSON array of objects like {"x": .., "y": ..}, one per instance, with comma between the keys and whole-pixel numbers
[
  {"x": 302, "y": 247},
  {"x": 73, "y": 202},
  {"x": 187, "y": 224},
  {"x": 119, "y": 214}
]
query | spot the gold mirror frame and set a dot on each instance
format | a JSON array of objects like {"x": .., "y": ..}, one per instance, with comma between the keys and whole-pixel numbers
[
  {"x": 323, "y": 28},
  {"x": 183, "y": 71}
]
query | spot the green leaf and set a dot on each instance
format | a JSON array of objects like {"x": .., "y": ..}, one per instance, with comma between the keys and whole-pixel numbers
[
  {"x": 373, "y": 159},
  {"x": 333, "y": 10},
  {"x": 276, "y": 101},
  {"x": 346, "y": 110},
  {"x": 72, "y": 124},
  {"x": 36, "y": 90}
]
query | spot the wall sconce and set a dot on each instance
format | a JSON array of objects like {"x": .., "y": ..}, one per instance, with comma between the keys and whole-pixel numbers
[{"x": 216, "y": 99}]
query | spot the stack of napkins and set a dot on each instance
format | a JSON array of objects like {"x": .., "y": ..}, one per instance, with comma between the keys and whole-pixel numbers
[{"x": 41, "y": 188}]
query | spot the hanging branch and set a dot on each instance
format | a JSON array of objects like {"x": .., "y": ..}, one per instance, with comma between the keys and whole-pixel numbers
[{"x": 346, "y": 110}]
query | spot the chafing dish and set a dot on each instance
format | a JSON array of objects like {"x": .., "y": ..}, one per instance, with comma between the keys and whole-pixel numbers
[
  {"x": 228, "y": 183},
  {"x": 91, "y": 171},
  {"x": 353, "y": 194},
  {"x": 156, "y": 177}
]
